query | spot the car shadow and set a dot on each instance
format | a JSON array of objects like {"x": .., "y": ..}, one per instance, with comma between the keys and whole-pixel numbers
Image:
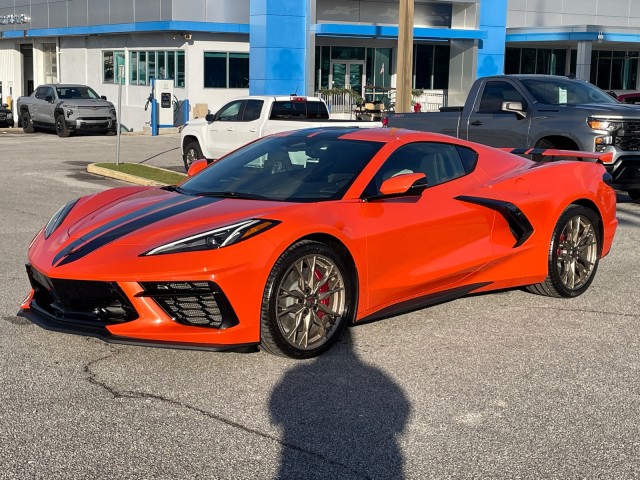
[{"x": 340, "y": 418}]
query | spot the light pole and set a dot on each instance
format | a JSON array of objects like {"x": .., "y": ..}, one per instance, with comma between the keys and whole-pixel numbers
[
  {"x": 120, "y": 77},
  {"x": 405, "y": 56}
]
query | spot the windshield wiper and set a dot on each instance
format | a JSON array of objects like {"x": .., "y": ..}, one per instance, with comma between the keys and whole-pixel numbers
[{"x": 238, "y": 195}]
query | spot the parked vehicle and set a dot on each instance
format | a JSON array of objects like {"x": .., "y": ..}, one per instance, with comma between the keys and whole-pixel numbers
[
  {"x": 246, "y": 119},
  {"x": 66, "y": 108},
  {"x": 543, "y": 112},
  {"x": 6, "y": 116},
  {"x": 633, "y": 98},
  {"x": 286, "y": 241}
]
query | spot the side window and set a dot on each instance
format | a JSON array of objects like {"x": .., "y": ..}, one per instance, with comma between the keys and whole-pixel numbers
[
  {"x": 229, "y": 113},
  {"x": 440, "y": 162},
  {"x": 252, "y": 110},
  {"x": 49, "y": 93},
  {"x": 41, "y": 93},
  {"x": 495, "y": 93}
]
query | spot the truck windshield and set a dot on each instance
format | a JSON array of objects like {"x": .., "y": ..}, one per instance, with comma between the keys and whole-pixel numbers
[
  {"x": 77, "y": 91},
  {"x": 291, "y": 168},
  {"x": 559, "y": 91}
]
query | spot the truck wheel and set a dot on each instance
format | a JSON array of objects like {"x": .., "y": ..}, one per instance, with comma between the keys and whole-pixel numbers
[
  {"x": 61, "y": 126},
  {"x": 27, "y": 125},
  {"x": 192, "y": 153},
  {"x": 634, "y": 194}
]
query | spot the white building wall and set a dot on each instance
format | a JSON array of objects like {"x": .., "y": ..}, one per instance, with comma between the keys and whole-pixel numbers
[
  {"x": 553, "y": 13},
  {"x": 80, "y": 61},
  {"x": 10, "y": 71}
]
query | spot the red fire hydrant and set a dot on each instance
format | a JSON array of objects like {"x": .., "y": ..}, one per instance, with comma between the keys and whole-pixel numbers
[{"x": 417, "y": 107}]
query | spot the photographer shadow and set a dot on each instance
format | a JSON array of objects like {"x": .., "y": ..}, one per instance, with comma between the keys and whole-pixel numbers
[{"x": 340, "y": 418}]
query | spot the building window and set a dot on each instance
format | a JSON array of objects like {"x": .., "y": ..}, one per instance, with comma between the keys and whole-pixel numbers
[
  {"x": 614, "y": 70},
  {"x": 431, "y": 66},
  {"x": 547, "y": 61},
  {"x": 111, "y": 61},
  {"x": 226, "y": 70},
  {"x": 50, "y": 63},
  {"x": 159, "y": 64}
]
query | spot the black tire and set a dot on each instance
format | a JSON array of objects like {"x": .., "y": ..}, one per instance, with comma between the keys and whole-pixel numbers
[
  {"x": 634, "y": 194},
  {"x": 25, "y": 119},
  {"x": 309, "y": 293},
  {"x": 61, "y": 126},
  {"x": 574, "y": 254},
  {"x": 192, "y": 153}
]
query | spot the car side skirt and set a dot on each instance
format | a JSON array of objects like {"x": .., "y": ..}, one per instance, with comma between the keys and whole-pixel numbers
[{"x": 422, "y": 302}]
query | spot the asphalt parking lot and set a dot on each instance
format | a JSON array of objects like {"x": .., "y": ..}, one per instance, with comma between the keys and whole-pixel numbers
[{"x": 505, "y": 385}]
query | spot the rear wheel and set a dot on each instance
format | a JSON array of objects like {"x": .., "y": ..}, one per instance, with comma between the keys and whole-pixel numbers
[
  {"x": 192, "y": 153},
  {"x": 25, "y": 120},
  {"x": 574, "y": 254},
  {"x": 634, "y": 194},
  {"x": 307, "y": 302},
  {"x": 61, "y": 126}
]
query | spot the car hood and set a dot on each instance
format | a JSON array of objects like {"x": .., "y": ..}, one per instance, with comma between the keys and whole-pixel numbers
[
  {"x": 146, "y": 218},
  {"x": 82, "y": 102},
  {"x": 614, "y": 110}
]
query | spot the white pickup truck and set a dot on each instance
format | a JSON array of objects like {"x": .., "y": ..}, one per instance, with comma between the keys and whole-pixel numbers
[{"x": 246, "y": 119}]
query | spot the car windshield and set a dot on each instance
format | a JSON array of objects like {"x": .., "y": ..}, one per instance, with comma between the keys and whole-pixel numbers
[
  {"x": 559, "y": 91},
  {"x": 291, "y": 168},
  {"x": 77, "y": 92}
]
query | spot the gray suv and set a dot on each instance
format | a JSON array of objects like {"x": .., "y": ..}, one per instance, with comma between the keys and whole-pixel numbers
[{"x": 66, "y": 108}]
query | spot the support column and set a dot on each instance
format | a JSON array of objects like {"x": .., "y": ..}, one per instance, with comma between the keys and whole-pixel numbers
[
  {"x": 583, "y": 60},
  {"x": 405, "y": 56},
  {"x": 280, "y": 47},
  {"x": 493, "y": 19}
]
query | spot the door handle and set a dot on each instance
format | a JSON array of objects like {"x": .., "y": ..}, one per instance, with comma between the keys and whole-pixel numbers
[
  {"x": 476, "y": 123},
  {"x": 254, "y": 130},
  {"x": 230, "y": 129}
]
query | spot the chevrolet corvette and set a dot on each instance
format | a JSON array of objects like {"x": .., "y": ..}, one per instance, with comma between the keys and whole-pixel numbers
[{"x": 288, "y": 240}]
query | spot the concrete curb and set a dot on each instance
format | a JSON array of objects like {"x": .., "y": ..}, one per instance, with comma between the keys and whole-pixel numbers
[{"x": 106, "y": 172}]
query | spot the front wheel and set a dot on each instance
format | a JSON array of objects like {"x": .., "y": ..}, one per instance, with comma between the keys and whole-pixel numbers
[
  {"x": 634, "y": 194},
  {"x": 25, "y": 120},
  {"x": 61, "y": 126},
  {"x": 574, "y": 254},
  {"x": 192, "y": 152},
  {"x": 308, "y": 300}
]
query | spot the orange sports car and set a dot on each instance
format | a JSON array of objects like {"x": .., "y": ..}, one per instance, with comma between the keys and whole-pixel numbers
[{"x": 289, "y": 239}]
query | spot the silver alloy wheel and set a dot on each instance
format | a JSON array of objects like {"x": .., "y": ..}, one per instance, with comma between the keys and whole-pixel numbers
[
  {"x": 576, "y": 252},
  {"x": 311, "y": 301},
  {"x": 191, "y": 156}
]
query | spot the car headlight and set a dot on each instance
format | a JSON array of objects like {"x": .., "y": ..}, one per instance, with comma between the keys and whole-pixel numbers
[
  {"x": 605, "y": 125},
  {"x": 58, "y": 218},
  {"x": 218, "y": 238}
]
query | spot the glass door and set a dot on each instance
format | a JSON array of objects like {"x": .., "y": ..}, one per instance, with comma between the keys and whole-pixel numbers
[{"x": 348, "y": 75}]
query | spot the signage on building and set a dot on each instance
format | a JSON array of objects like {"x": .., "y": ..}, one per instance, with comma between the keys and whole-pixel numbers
[{"x": 14, "y": 19}]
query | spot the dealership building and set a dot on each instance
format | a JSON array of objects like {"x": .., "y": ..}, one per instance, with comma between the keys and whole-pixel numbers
[{"x": 216, "y": 50}]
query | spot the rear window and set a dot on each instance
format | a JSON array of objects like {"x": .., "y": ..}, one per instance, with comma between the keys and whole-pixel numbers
[{"x": 298, "y": 110}]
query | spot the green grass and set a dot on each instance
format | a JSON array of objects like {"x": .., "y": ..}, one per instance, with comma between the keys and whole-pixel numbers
[{"x": 144, "y": 171}]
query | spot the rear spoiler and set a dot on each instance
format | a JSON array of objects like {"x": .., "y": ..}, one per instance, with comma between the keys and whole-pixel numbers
[{"x": 552, "y": 152}]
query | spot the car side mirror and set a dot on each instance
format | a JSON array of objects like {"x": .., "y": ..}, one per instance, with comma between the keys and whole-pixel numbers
[
  {"x": 514, "y": 107},
  {"x": 209, "y": 117},
  {"x": 404, "y": 184},
  {"x": 103, "y": 97},
  {"x": 49, "y": 98},
  {"x": 5, "y": 105},
  {"x": 197, "y": 166}
]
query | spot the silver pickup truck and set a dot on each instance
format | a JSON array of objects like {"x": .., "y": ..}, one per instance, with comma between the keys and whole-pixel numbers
[
  {"x": 542, "y": 112},
  {"x": 66, "y": 108}
]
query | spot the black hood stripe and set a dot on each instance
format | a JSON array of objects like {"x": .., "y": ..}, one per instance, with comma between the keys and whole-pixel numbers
[
  {"x": 115, "y": 223},
  {"x": 108, "y": 235}
]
